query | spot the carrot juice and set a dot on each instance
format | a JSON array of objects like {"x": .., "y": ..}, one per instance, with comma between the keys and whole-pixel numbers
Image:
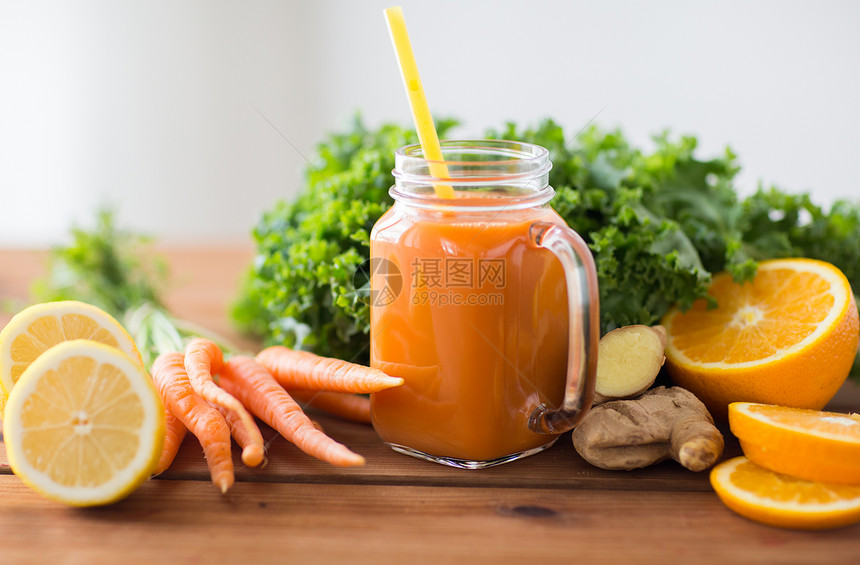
[
  {"x": 469, "y": 305},
  {"x": 478, "y": 333}
]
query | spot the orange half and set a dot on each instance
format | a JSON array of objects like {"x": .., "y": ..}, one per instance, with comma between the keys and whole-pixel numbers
[{"x": 789, "y": 337}]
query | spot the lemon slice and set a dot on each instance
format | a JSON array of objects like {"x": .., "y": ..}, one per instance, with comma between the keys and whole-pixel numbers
[
  {"x": 84, "y": 424},
  {"x": 39, "y": 327},
  {"x": 780, "y": 500}
]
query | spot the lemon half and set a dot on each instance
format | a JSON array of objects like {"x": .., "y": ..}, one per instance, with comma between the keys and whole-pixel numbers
[{"x": 84, "y": 424}]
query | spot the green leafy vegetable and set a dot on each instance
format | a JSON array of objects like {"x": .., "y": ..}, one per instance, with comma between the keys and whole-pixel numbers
[
  {"x": 658, "y": 222},
  {"x": 116, "y": 271},
  {"x": 776, "y": 224},
  {"x": 105, "y": 266}
]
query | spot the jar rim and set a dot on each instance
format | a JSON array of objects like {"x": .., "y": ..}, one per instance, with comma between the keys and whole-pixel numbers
[
  {"x": 535, "y": 153},
  {"x": 523, "y": 167}
]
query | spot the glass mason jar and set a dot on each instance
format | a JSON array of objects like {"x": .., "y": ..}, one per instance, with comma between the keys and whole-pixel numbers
[{"x": 485, "y": 303}]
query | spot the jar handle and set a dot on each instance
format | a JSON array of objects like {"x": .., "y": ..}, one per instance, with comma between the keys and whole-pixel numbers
[{"x": 583, "y": 327}]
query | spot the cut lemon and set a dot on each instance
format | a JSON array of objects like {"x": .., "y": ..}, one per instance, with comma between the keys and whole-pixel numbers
[
  {"x": 36, "y": 329},
  {"x": 780, "y": 500},
  {"x": 84, "y": 424},
  {"x": 789, "y": 337},
  {"x": 809, "y": 444}
]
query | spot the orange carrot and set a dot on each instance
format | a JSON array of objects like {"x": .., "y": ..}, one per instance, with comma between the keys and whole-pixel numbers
[
  {"x": 257, "y": 389},
  {"x": 250, "y": 440},
  {"x": 203, "y": 358},
  {"x": 202, "y": 420},
  {"x": 174, "y": 433},
  {"x": 302, "y": 370},
  {"x": 347, "y": 406}
]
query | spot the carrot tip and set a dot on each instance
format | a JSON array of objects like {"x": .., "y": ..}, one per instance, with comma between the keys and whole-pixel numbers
[{"x": 253, "y": 455}]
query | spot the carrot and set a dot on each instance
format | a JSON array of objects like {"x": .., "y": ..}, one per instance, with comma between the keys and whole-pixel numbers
[
  {"x": 302, "y": 370},
  {"x": 203, "y": 358},
  {"x": 197, "y": 415},
  {"x": 174, "y": 433},
  {"x": 257, "y": 389},
  {"x": 347, "y": 406},
  {"x": 250, "y": 440}
]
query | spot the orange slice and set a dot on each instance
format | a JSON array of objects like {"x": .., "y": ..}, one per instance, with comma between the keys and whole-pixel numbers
[
  {"x": 789, "y": 337},
  {"x": 780, "y": 500},
  {"x": 809, "y": 444}
]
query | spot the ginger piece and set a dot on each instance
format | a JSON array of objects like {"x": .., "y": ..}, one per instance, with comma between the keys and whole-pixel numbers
[
  {"x": 628, "y": 361},
  {"x": 662, "y": 423}
]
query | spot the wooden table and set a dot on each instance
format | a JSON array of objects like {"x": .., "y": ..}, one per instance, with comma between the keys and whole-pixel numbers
[{"x": 552, "y": 506}]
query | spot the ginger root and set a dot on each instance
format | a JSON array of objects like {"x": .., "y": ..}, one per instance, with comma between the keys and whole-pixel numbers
[
  {"x": 628, "y": 361},
  {"x": 662, "y": 423}
]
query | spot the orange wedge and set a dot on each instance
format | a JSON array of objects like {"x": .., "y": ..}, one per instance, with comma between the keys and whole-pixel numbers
[
  {"x": 809, "y": 444},
  {"x": 780, "y": 500},
  {"x": 789, "y": 337}
]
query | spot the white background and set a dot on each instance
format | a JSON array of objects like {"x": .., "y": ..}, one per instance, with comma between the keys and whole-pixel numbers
[{"x": 160, "y": 107}]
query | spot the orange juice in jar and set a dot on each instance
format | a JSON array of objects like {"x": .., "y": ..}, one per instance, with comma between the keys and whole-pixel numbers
[{"x": 484, "y": 303}]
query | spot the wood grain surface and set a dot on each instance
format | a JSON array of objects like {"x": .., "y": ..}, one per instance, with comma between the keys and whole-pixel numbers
[{"x": 396, "y": 509}]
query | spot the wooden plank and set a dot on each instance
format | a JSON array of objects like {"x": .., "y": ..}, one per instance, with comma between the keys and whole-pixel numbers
[
  {"x": 558, "y": 467},
  {"x": 188, "y": 522}
]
